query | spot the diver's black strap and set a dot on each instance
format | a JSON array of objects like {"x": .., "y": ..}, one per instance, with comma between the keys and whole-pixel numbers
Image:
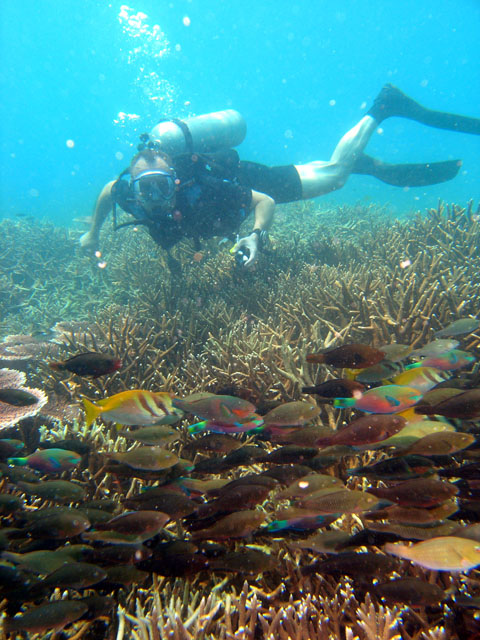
[
  {"x": 184, "y": 129},
  {"x": 407, "y": 175}
]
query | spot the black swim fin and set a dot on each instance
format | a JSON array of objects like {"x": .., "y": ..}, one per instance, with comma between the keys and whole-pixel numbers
[
  {"x": 407, "y": 175},
  {"x": 392, "y": 102}
]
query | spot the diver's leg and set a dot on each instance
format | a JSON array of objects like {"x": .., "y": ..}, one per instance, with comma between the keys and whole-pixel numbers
[
  {"x": 321, "y": 177},
  {"x": 91, "y": 239},
  {"x": 392, "y": 102}
]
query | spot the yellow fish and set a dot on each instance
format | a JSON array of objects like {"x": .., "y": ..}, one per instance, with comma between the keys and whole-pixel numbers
[
  {"x": 134, "y": 407},
  {"x": 445, "y": 553}
]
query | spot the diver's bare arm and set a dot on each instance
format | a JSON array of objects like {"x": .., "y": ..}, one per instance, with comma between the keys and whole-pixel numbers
[
  {"x": 264, "y": 208},
  {"x": 90, "y": 240}
]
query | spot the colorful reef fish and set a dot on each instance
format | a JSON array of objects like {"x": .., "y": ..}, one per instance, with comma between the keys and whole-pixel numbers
[
  {"x": 390, "y": 398},
  {"x": 134, "y": 407}
]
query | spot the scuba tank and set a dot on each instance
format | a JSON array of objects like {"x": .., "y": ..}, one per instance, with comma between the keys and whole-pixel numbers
[{"x": 206, "y": 133}]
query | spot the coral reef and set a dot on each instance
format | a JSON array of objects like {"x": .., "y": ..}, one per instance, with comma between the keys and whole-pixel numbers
[{"x": 327, "y": 276}]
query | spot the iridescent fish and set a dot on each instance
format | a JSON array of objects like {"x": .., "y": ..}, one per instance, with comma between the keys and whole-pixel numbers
[
  {"x": 422, "y": 378},
  {"x": 381, "y": 371},
  {"x": 352, "y": 356},
  {"x": 448, "y": 361},
  {"x": 435, "y": 348},
  {"x": 389, "y": 398},
  {"x": 250, "y": 423},
  {"x": 49, "y": 460},
  {"x": 134, "y": 407},
  {"x": 223, "y": 409},
  {"x": 446, "y": 553},
  {"x": 89, "y": 364}
]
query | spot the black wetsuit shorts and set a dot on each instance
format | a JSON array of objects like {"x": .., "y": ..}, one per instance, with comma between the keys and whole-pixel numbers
[{"x": 280, "y": 183}]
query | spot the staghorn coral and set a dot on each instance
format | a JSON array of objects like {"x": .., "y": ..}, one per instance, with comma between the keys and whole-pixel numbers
[{"x": 340, "y": 279}]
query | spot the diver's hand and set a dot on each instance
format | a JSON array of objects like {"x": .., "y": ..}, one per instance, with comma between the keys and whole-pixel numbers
[
  {"x": 249, "y": 247},
  {"x": 89, "y": 241}
]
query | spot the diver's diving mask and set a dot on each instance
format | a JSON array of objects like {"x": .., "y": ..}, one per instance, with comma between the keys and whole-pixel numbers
[{"x": 154, "y": 186}]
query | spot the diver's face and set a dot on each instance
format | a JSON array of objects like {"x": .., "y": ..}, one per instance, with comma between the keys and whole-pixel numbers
[{"x": 154, "y": 185}]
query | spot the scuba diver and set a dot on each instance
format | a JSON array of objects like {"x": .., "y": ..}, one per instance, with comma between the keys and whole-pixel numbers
[{"x": 187, "y": 181}]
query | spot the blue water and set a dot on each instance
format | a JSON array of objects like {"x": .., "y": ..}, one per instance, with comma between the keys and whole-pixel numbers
[{"x": 301, "y": 73}]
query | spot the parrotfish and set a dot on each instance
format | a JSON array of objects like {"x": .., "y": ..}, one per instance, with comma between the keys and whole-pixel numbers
[
  {"x": 53, "y": 615},
  {"x": 133, "y": 407},
  {"x": 464, "y": 405},
  {"x": 410, "y": 591},
  {"x": 337, "y": 388},
  {"x": 17, "y": 397},
  {"x": 446, "y": 553},
  {"x": 146, "y": 458},
  {"x": 290, "y": 414},
  {"x": 223, "y": 409},
  {"x": 90, "y": 364},
  {"x": 448, "y": 361},
  {"x": 435, "y": 348},
  {"x": 417, "y": 492},
  {"x": 353, "y": 356},
  {"x": 390, "y": 398},
  {"x": 459, "y": 328},
  {"x": 49, "y": 460},
  {"x": 422, "y": 378},
  {"x": 365, "y": 431}
]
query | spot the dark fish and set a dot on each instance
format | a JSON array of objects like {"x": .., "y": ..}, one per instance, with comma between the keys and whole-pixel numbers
[
  {"x": 70, "y": 444},
  {"x": 352, "y": 356},
  {"x": 418, "y": 492},
  {"x": 59, "y": 526},
  {"x": 468, "y": 471},
  {"x": 129, "y": 528},
  {"x": 287, "y": 473},
  {"x": 289, "y": 454},
  {"x": 251, "y": 561},
  {"x": 213, "y": 443},
  {"x": 56, "y": 490},
  {"x": 410, "y": 591},
  {"x": 465, "y": 405},
  {"x": 402, "y": 468},
  {"x": 174, "y": 504},
  {"x": 236, "y": 525},
  {"x": 237, "y": 498},
  {"x": 98, "y": 606},
  {"x": 365, "y": 430},
  {"x": 412, "y": 532},
  {"x": 17, "y": 397},
  {"x": 75, "y": 575},
  {"x": 339, "y": 388},
  {"x": 88, "y": 364},
  {"x": 414, "y": 515},
  {"x": 10, "y": 447},
  {"x": 53, "y": 615},
  {"x": 366, "y": 565},
  {"x": 125, "y": 575},
  {"x": 9, "y": 504},
  {"x": 246, "y": 455},
  {"x": 252, "y": 479},
  {"x": 117, "y": 554},
  {"x": 179, "y": 558}
]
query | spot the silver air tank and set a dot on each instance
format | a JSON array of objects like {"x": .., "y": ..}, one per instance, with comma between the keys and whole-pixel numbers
[{"x": 209, "y": 132}]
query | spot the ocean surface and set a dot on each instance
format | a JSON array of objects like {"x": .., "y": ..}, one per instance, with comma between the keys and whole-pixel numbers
[{"x": 80, "y": 80}]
